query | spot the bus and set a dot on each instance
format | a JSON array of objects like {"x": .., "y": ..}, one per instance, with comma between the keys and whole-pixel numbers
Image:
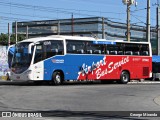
[
  {"x": 156, "y": 67},
  {"x": 62, "y": 58},
  {"x": 10, "y": 53}
]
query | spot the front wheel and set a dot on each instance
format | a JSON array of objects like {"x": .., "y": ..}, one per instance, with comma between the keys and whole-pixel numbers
[
  {"x": 125, "y": 77},
  {"x": 57, "y": 78}
]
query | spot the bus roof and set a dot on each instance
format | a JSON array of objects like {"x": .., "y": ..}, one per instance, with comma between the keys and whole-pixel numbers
[
  {"x": 121, "y": 41},
  {"x": 57, "y": 37},
  {"x": 62, "y": 37}
]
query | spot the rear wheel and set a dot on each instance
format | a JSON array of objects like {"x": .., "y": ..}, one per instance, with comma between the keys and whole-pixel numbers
[
  {"x": 125, "y": 77},
  {"x": 57, "y": 78}
]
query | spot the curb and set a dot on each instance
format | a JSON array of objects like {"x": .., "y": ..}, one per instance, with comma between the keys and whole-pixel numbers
[{"x": 144, "y": 82}]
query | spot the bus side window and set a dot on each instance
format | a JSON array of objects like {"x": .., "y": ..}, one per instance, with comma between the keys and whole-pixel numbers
[
  {"x": 113, "y": 52},
  {"x": 60, "y": 48},
  {"x": 75, "y": 47},
  {"x": 54, "y": 51},
  {"x": 89, "y": 47},
  {"x": 128, "y": 53},
  {"x": 120, "y": 53},
  {"x": 69, "y": 48},
  {"x": 110, "y": 50},
  {"x": 94, "y": 49},
  {"x": 97, "y": 51},
  {"x": 107, "y": 52},
  {"x": 80, "y": 48},
  {"x": 144, "y": 50},
  {"x": 145, "y": 53},
  {"x": 57, "y": 48},
  {"x": 136, "y": 53}
]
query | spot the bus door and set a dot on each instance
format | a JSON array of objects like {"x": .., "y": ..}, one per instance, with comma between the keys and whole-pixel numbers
[{"x": 38, "y": 65}]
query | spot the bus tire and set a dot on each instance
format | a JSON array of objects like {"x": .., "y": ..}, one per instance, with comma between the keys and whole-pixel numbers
[
  {"x": 125, "y": 77},
  {"x": 57, "y": 78}
]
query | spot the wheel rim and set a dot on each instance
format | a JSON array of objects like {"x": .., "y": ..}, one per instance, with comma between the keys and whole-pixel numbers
[
  {"x": 58, "y": 78},
  {"x": 125, "y": 78}
]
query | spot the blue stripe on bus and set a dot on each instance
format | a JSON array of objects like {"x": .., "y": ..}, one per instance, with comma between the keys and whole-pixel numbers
[
  {"x": 104, "y": 42},
  {"x": 69, "y": 64}
]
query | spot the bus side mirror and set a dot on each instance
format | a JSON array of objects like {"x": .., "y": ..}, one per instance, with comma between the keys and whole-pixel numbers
[{"x": 30, "y": 48}]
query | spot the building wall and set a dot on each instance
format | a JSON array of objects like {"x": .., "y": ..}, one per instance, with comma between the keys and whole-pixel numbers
[{"x": 86, "y": 27}]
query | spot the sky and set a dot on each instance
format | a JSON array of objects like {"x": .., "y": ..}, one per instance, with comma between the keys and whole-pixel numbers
[{"x": 31, "y": 10}]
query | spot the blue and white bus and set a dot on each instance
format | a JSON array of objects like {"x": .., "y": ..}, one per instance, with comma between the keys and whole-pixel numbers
[
  {"x": 156, "y": 67},
  {"x": 60, "y": 58}
]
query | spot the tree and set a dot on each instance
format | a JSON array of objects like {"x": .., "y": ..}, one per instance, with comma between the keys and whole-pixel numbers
[{"x": 4, "y": 38}]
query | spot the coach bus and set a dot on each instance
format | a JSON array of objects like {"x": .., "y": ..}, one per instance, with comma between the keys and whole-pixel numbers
[
  {"x": 63, "y": 58},
  {"x": 156, "y": 67}
]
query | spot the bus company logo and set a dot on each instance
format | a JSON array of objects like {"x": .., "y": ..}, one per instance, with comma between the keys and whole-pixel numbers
[
  {"x": 101, "y": 68},
  {"x": 57, "y": 61}
]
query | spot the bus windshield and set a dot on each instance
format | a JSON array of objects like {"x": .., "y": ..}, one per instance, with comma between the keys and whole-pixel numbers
[{"x": 21, "y": 59}]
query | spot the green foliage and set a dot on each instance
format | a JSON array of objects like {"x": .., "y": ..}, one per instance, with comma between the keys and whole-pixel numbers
[{"x": 4, "y": 38}]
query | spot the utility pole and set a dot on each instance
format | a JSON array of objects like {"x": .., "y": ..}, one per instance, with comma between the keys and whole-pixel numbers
[
  {"x": 103, "y": 28},
  {"x": 9, "y": 41},
  {"x": 72, "y": 25},
  {"x": 158, "y": 28},
  {"x": 58, "y": 29},
  {"x": 148, "y": 21},
  {"x": 128, "y": 3},
  {"x": 27, "y": 32},
  {"x": 128, "y": 22},
  {"x": 16, "y": 30}
]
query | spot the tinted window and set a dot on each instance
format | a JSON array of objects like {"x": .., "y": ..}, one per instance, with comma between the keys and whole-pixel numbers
[
  {"x": 83, "y": 47},
  {"x": 46, "y": 49},
  {"x": 128, "y": 49},
  {"x": 75, "y": 47}
]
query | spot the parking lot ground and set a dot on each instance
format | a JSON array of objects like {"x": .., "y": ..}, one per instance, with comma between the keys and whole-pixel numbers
[{"x": 10, "y": 82}]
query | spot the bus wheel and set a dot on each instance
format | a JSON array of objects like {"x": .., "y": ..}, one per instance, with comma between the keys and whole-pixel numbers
[
  {"x": 124, "y": 79},
  {"x": 57, "y": 78}
]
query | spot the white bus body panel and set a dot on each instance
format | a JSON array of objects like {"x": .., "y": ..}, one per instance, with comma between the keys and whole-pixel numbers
[
  {"x": 34, "y": 72},
  {"x": 38, "y": 71}
]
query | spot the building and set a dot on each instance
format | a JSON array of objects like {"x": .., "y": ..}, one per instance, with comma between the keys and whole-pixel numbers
[{"x": 94, "y": 26}]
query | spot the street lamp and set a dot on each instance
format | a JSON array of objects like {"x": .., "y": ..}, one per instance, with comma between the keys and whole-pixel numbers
[{"x": 128, "y": 3}]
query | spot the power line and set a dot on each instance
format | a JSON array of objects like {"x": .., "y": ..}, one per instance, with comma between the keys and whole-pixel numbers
[
  {"x": 48, "y": 9},
  {"x": 95, "y": 2},
  {"x": 37, "y": 16},
  {"x": 27, "y": 17},
  {"x": 51, "y": 9},
  {"x": 137, "y": 10},
  {"x": 138, "y": 19}
]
